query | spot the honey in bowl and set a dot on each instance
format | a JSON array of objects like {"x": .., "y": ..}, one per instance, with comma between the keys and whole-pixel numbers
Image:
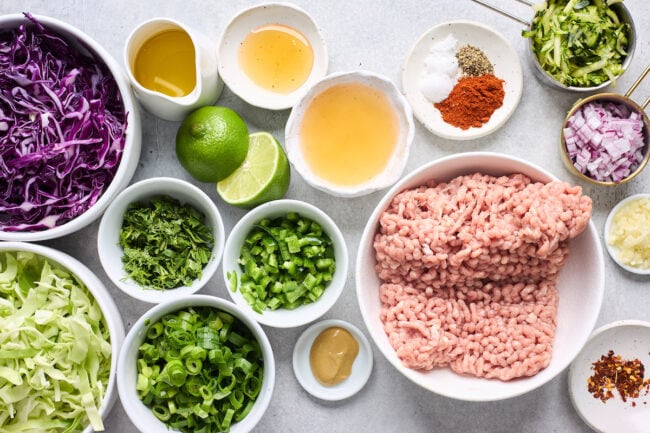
[
  {"x": 165, "y": 63},
  {"x": 276, "y": 57},
  {"x": 349, "y": 133}
]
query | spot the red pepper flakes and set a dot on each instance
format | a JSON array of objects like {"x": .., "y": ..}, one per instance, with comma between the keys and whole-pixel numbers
[{"x": 611, "y": 372}]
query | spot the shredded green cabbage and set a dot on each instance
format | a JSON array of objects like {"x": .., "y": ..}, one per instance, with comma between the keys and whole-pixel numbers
[{"x": 55, "y": 353}]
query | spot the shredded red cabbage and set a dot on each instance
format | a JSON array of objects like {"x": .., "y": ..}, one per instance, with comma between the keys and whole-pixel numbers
[{"x": 62, "y": 129}]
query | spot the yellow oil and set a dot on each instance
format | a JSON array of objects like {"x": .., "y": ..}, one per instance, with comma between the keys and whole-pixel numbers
[
  {"x": 348, "y": 133},
  {"x": 166, "y": 63},
  {"x": 276, "y": 57}
]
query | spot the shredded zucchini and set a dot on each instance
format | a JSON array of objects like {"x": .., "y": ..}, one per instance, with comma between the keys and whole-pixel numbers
[
  {"x": 580, "y": 43},
  {"x": 55, "y": 352}
]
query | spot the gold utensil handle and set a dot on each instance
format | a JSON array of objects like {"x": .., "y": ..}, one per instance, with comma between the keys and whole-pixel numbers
[
  {"x": 503, "y": 11},
  {"x": 636, "y": 84}
]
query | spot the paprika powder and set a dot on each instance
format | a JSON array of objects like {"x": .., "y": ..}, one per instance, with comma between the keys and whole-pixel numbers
[{"x": 472, "y": 101}]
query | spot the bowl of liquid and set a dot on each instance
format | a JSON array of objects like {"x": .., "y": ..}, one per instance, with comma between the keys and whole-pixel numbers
[
  {"x": 350, "y": 134},
  {"x": 269, "y": 55}
]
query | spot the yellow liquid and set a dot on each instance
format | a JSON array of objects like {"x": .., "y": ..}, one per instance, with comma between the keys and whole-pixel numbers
[
  {"x": 348, "y": 133},
  {"x": 166, "y": 63},
  {"x": 276, "y": 57}
]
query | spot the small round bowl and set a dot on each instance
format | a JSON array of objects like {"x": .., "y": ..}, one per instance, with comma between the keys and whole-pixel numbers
[
  {"x": 361, "y": 368},
  {"x": 580, "y": 286},
  {"x": 131, "y": 153},
  {"x": 109, "y": 310},
  {"x": 544, "y": 77},
  {"x": 139, "y": 414},
  {"x": 605, "y": 98},
  {"x": 499, "y": 51},
  {"x": 629, "y": 339},
  {"x": 283, "y": 318},
  {"x": 250, "y": 19},
  {"x": 397, "y": 161},
  {"x": 611, "y": 249},
  {"x": 108, "y": 235}
]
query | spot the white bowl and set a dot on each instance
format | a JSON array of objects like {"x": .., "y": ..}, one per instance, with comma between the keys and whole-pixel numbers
[
  {"x": 398, "y": 159},
  {"x": 611, "y": 249},
  {"x": 139, "y": 414},
  {"x": 499, "y": 51},
  {"x": 108, "y": 235},
  {"x": 131, "y": 152},
  {"x": 361, "y": 368},
  {"x": 283, "y": 318},
  {"x": 252, "y": 18},
  {"x": 580, "y": 286},
  {"x": 629, "y": 339},
  {"x": 109, "y": 310}
]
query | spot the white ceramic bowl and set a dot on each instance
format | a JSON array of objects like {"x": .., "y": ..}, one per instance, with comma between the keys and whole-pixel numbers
[
  {"x": 500, "y": 53},
  {"x": 108, "y": 235},
  {"x": 139, "y": 414},
  {"x": 397, "y": 161},
  {"x": 580, "y": 286},
  {"x": 131, "y": 153},
  {"x": 250, "y": 19},
  {"x": 283, "y": 318},
  {"x": 628, "y": 339},
  {"x": 111, "y": 314},
  {"x": 611, "y": 249},
  {"x": 361, "y": 368}
]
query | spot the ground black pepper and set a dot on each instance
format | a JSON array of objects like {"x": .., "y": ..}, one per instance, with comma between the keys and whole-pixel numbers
[{"x": 473, "y": 61}]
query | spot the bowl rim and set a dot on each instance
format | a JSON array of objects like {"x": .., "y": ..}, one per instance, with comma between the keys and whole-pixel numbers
[
  {"x": 282, "y": 318},
  {"x": 133, "y": 406},
  {"x": 133, "y": 137},
  {"x": 163, "y": 186},
  {"x": 611, "y": 250},
  {"x": 415, "y": 375},
  {"x": 359, "y": 376},
  {"x": 280, "y": 101},
  {"x": 400, "y": 155},
  {"x": 103, "y": 297}
]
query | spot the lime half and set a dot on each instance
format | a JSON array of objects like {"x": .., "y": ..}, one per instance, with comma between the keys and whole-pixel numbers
[{"x": 263, "y": 176}]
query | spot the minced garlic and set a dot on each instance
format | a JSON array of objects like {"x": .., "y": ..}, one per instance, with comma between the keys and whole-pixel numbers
[{"x": 629, "y": 233}]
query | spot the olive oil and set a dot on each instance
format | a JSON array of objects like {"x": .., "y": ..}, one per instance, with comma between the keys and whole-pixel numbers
[
  {"x": 349, "y": 133},
  {"x": 276, "y": 57},
  {"x": 166, "y": 63}
]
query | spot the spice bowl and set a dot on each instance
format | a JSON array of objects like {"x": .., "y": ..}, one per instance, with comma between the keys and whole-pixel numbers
[
  {"x": 290, "y": 271},
  {"x": 628, "y": 236},
  {"x": 629, "y": 340},
  {"x": 361, "y": 114},
  {"x": 359, "y": 373},
  {"x": 231, "y": 321},
  {"x": 498, "y": 50},
  {"x": 257, "y": 66},
  {"x": 184, "y": 197}
]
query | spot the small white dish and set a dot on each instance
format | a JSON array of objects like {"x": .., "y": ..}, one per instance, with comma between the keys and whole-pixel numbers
[
  {"x": 398, "y": 159},
  {"x": 250, "y": 19},
  {"x": 283, "y": 318},
  {"x": 631, "y": 340},
  {"x": 108, "y": 235},
  {"x": 611, "y": 249},
  {"x": 361, "y": 368},
  {"x": 499, "y": 51}
]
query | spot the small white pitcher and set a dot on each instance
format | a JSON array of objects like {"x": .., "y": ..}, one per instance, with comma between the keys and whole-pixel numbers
[{"x": 208, "y": 83}]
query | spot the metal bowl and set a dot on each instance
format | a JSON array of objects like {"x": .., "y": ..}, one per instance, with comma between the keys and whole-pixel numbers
[{"x": 624, "y": 15}]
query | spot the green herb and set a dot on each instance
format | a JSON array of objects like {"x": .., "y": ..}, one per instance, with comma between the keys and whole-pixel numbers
[
  {"x": 286, "y": 262},
  {"x": 166, "y": 244},
  {"x": 580, "y": 43},
  {"x": 55, "y": 350},
  {"x": 199, "y": 370}
]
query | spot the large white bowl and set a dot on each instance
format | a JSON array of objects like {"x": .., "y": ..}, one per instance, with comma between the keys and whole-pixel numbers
[
  {"x": 283, "y": 318},
  {"x": 580, "y": 286},
  {"x": 127, "y": 372},
  {"x": 108, "y": 235},
  {"x": 111, "y": 314},
  {"x": 131, "y": 152}
]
